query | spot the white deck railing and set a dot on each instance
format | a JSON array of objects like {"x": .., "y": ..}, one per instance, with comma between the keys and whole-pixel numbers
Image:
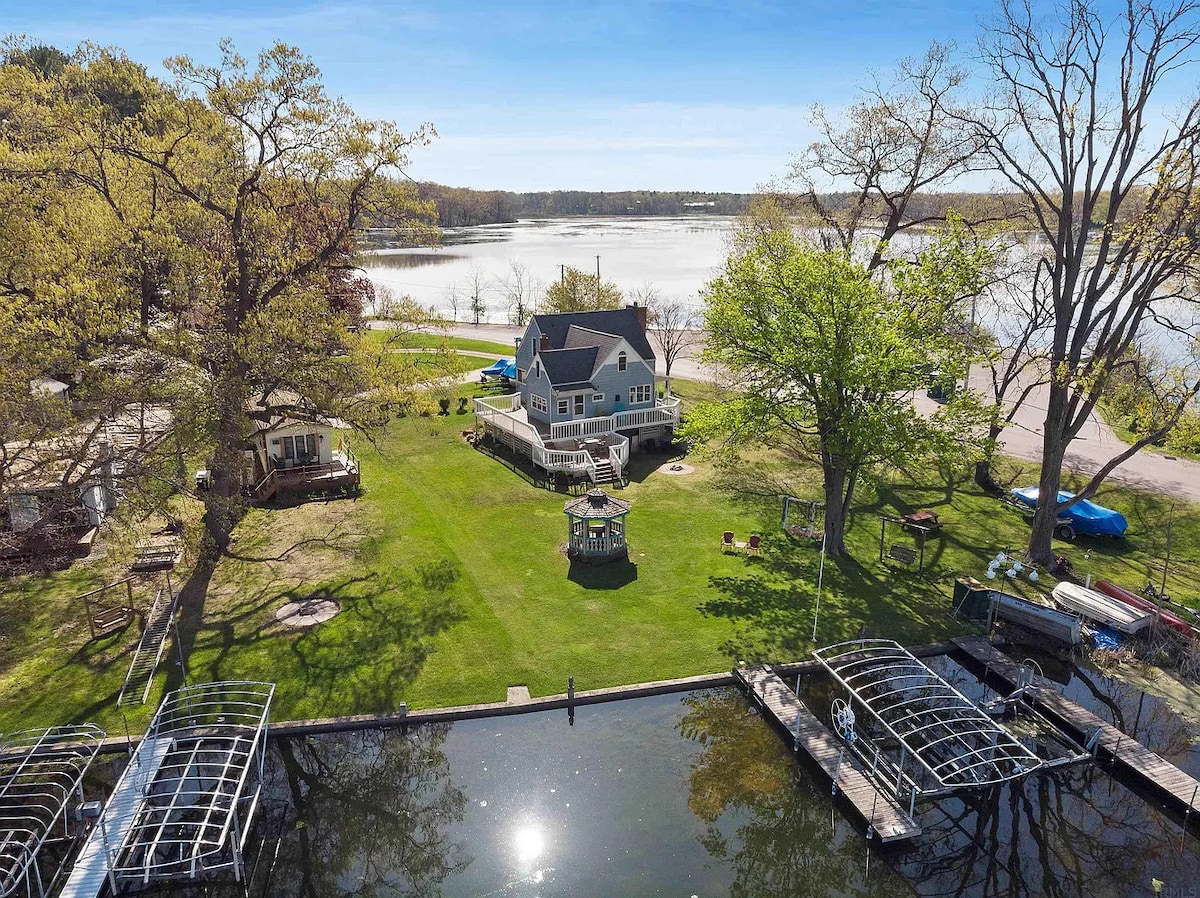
[
  {"x": 497, "y": 412},
  {"x": 665, "y": 411}
]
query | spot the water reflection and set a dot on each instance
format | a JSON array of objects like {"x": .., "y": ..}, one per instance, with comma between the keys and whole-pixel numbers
[
  {"x": 680, "y": 795},
  {"x": 362, "y": 814}
]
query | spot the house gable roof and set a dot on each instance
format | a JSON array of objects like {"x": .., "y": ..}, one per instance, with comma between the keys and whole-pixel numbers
[
  {"x": 612, "y": 323},
  {"x": 568, "y": 367}
]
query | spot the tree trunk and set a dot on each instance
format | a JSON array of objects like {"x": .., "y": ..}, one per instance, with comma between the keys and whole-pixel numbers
[
  {"x": 836, "y": 505},
  {"x": 1054, "y": 447},
  {"x": 223, "y": 504},
  {"x": 984, "y": 478}
]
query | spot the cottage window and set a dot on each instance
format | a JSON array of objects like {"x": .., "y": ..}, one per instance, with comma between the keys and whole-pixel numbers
[
  {"x": 579, "y": 404},
  {"x": 537, "y": 403},
  {"x": 562, "y": 406},
  {"x": 639, "y": 394},
  {"x": 537, "y": 369},
  {"x": 301, "y": 448},
  {"x": 622, "y": 361},
  {"x": 599, "y": 397},
  {"x": 520, "y": 375}
]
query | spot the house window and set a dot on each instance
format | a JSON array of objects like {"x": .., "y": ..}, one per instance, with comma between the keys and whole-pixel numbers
[
  {"x": 579, "y": 404},
  {"x": 520, "y": 375},
  {"x": 300, "y": 448},
  {"x": 599, "y": 397},
  {"x": 538, "y": 403},
  {"x": 537, "y": 369},
  {"x": 622, "y": 361},
  {"x": 562, "y": 406},
  {"x": 639, "y": 394}
]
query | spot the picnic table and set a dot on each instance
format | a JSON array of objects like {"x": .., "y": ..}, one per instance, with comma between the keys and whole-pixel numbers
[{"x": 925, "y": 520}]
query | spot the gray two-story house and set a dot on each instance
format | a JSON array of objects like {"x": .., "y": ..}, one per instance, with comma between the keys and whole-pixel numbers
[{"x": 585, "y": 365}]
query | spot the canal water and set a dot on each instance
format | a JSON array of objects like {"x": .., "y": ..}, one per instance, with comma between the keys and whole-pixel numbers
[{"x": 692, "y": 795}]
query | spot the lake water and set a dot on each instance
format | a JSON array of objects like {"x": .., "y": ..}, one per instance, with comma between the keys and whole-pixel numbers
[
  {"x": 692, "y": 795},
  {"x": 677, "y": 255}
]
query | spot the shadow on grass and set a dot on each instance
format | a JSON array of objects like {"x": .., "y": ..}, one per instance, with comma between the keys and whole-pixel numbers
[{"x": 612, "y": 575}]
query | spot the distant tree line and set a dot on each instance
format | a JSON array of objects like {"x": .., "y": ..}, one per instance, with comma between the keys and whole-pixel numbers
[{"x": 460, "y": 207}]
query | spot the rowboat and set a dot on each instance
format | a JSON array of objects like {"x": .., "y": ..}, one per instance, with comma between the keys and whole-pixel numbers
[
  {"x": 1058, "y": 625},
  {"x": 1101, "y": 608},
  {"x": 1143, "y": 604}
]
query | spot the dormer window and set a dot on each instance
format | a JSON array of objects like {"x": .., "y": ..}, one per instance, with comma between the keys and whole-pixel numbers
[
  {"x": 537, "y": 369},
  {"x": 622, "y": 361}
]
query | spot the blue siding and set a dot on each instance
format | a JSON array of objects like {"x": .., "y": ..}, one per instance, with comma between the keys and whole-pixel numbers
[
  {"x": 615, "y": 386},
  {"x": 541, "y": 387}
]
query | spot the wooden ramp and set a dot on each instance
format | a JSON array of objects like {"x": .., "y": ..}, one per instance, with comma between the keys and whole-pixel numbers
[
  {"x": 1147, "y": 767},
  {"x": 886, "y": 818},
  {"x": 107, "y": 837}
]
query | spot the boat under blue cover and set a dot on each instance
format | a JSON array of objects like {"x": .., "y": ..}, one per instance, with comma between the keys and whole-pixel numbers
[{"x": 1086, "y": 517}]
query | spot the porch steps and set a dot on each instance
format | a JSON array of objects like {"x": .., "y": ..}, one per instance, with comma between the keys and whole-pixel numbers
[
  {"x": 603, "y": 471},
  {"x": 149, "y": 650}
]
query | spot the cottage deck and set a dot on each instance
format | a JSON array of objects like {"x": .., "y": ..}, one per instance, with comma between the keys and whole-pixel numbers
[
  {"x": 883, "y": 814},
  {"x": 1147, "y": 767}
]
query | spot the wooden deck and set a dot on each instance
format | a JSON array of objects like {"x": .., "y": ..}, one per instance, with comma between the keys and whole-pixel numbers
[
  {"x": 883, "y": 814},
  {"x": 1136, "y": 760}
]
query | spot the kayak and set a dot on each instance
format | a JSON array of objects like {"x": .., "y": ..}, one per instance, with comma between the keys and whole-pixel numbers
[{"x": 1134, "y": 600}]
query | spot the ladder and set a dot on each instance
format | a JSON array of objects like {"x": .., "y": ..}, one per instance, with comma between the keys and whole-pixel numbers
[{"x": 149, "y": 649}]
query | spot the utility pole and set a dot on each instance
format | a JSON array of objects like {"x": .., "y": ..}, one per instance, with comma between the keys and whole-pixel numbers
[
  {"x": 562, "y": 274},
  {"x": 597, "y": 282}
]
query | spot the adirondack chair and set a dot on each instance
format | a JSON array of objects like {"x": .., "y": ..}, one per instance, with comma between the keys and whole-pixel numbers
[
  {"x": 727, "y": 542},
  {"x": 753, "y": 547}
]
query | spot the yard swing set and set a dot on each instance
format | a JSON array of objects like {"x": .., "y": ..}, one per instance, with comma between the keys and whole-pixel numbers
[{"x": 922, "y": 524}]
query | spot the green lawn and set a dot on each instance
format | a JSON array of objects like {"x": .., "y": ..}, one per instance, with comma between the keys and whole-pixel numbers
[
  {"x": 432, "y": 341},
  {"x": 453, "y": 585}
]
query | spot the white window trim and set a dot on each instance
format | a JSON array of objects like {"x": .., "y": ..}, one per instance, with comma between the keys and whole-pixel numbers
[
  {"x": 537, "y": 403},
  {"x": 622, "y": 361},
  {"x": 598, "y": 397},
  {"x": 639, "y": 391},
  {"x": 563, "y": 407}
]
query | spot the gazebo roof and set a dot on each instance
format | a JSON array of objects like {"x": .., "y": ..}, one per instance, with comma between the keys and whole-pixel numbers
[{"x": 596, "y": 504}]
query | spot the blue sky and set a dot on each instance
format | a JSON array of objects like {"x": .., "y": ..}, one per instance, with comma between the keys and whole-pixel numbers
[{"x": 529, "y": 95}]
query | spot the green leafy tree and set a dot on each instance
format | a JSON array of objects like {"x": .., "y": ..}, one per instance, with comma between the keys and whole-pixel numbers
[
  {"x": 578, "y": 291},
  {"x": 822, "y": 358}
]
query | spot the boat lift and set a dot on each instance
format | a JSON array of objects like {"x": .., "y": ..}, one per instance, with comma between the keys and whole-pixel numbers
[
  {"x": 184, "y": 805},
  {"x": 915, "y": 734},
  {"x": 41, "y": 788}
]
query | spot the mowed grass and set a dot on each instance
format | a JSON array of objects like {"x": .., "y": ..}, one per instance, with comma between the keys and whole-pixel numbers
[
  {"x": 434, "y": 341},
  {"x": 452, "y": 583}
]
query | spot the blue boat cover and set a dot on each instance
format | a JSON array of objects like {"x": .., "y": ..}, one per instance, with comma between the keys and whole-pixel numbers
[
  {"x": 497, "y": 368},
  {"x": 1086, "y": 517},
  {"x": 510, "y": 371},
  {"x": 1106, "y": 638}
]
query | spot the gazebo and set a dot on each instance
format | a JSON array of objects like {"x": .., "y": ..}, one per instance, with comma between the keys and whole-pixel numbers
[{"x": 597, "y": 527}]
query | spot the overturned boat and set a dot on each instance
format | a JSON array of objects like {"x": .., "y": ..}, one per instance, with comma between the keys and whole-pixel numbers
[{"x": 1102, "y": 609}]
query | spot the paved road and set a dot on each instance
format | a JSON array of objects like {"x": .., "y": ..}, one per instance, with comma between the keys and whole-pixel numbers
[{"x": 1096, "y": 444}]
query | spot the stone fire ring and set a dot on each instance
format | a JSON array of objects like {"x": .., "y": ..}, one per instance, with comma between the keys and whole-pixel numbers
[
  {"x": 677, "y": 468},
  {"x": 307, "y": 613}
]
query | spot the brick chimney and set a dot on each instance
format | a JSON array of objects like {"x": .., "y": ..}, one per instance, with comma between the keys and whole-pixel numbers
[
  {"x": 640, "y": 311},
  {"x": 545, "y": 342}
]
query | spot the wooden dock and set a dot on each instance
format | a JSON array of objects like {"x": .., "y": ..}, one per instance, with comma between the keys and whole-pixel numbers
[
  {"x": 1137, "y": 761},
  {"x": 883, "y": 814}
]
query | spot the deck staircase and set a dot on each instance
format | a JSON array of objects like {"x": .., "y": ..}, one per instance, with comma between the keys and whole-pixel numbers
[
  {"x": 602, "y": 471},
  {"x": 149, "y": 651}
]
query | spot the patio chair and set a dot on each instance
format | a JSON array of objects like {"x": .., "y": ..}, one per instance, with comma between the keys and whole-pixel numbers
[
  {"x": 727, "y": 541},
  {"x": 753, "y": 547}
]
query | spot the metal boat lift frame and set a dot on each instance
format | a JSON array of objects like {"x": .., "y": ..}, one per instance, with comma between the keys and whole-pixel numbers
[
  {"x": 204, "y": 752},
  {"x": 951, "y": 742},
  {"x": 41, "y": 773}
]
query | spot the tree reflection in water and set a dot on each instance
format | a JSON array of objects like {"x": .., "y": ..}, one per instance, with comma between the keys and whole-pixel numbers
[
  {"x": 786, "y": 840},
  {"x": 362, "y": 813}
]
